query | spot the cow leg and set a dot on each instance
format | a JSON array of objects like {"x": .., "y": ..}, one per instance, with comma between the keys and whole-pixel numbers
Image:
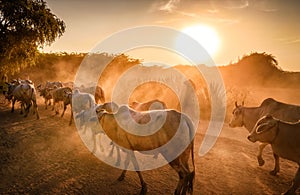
[
  {"x": 112, "y": 149},
  {"x": 260, "y": 160},
  {"x": 188, "y": 179},
  {"x": 46, "y": 103},
  {"x": 22, "y": 108},
  {"x": 181, "y": 176},
  {"x": 95, "y": 141},
  {"x": 296, "y": 183},
  {"x": 36, "y": 110},
  {"x": 65, "y": 107},
  {"x": 118, "y": 153},
  {"x": 122, "y": 176},
  {"x": 53, "y": 106},
  {"x": 100, "y": 145},
  {"x": 118, "y": 156},
  {"x": 136, "y": 167},
  {"x": 27, "y": 108},
  {"x": 180, "y": 184},
  {"x": 143, "y": 183},
  {"x": 13, "y": 105},
  {"x": 277, "y": 167},
  {"x": 126, "y": 163},
  {"x": 71, "y": 119}
]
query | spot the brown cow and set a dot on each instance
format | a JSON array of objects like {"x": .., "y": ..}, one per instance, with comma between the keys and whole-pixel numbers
[
  {"x": 163, "y": 135},
  {"x": 284, "y": 138},
  {"x": 248, "y": 116}
]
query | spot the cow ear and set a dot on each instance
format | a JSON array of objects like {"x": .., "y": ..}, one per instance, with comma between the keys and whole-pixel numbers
[
  {"x": 235, "y": 104},
  {"x": 269, "y": 116}
]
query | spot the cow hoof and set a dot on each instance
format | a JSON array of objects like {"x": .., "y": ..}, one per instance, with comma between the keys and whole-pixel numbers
[
  {"x": 144, "y": 189},
  {"x": 261, "y": 161},
  {"x": 290, "y": 192},
  {"x": 117, "y": 163},
  {"x": 274, "y": 172},
  {"x": 121, "y": 178}
]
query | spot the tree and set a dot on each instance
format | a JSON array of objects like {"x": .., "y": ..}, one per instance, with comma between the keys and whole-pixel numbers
[{"x": 26, "y": 25}]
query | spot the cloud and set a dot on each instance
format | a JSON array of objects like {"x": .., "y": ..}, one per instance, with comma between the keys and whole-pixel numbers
[
  {"x": 200, "y": 11},
  {"x": 213, "y": 11},
  {"x": 234, "y": 4},
  {"x": 289, "y": 40},
  {"x": 169, "y": 6},
  {"x": 266, "y": 6}
]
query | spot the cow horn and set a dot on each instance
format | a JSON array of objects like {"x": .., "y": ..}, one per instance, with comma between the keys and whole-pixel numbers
[
  {"x": 260, "y": 126},
  {"x": 235, "y": 104}
]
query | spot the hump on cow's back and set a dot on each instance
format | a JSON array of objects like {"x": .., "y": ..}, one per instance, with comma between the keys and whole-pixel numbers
[{"x": 268, "y": 101}]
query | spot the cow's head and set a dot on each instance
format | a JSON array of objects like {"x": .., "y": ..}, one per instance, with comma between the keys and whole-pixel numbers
[
  {"x": 110, "y": 107},
  {"x": 265, "y": 130},
  {"x": 237, "y": 116},
  {"x": 100, "y": 112},
  {"x": 10, "y": 88}
]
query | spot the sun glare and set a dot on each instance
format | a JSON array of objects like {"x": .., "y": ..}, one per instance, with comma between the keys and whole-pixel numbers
[{"x": 206, "y": 36}]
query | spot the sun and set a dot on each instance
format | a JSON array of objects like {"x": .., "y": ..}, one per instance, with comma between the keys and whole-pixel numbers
[{"x": 206, "y": 36}]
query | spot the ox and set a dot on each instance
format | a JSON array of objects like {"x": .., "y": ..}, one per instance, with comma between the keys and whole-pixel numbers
[
  {"x": 174, "y": 121},
  {"x": 67, "y": 100},
  {"x": 284, "y": 138},
  {"x": 59, "y": 94},
  {"x": 82, "y": 101},
  {"x": 47, "y": 96},
  {"x": 44, "y": 91},
  {"x": 87, "y": 119},
  {"x": 248, "y": 116},
  {"x": 26, "y": 94}
]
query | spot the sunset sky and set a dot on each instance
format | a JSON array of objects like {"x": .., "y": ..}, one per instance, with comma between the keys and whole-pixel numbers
[{"x": 241, "y": 26}]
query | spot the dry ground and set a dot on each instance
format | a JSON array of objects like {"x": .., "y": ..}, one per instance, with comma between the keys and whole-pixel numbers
[{"x": 47, "y": 156}]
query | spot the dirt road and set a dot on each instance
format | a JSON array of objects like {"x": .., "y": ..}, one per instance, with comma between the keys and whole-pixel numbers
[{"x": 47, "y": 156}]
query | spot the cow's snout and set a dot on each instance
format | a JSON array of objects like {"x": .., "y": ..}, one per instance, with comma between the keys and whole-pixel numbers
[{"x": 251, "y": 138}]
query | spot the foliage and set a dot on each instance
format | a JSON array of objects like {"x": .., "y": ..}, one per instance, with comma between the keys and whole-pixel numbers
[
  {"x": 25, "y": 26},
  {"x": 261, "y": 61}
]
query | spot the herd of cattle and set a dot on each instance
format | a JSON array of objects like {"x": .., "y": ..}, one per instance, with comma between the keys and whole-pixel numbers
[{"x": 272, "y": 122}]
